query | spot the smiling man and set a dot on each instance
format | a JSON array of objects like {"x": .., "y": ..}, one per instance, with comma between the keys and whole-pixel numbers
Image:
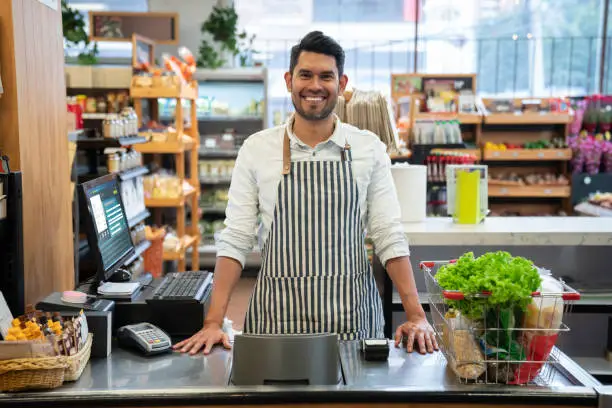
[{"x": 315, "y": 185}]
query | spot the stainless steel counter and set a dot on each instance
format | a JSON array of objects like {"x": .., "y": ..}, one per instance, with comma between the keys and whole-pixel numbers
[{"x": 175, "y": 379}]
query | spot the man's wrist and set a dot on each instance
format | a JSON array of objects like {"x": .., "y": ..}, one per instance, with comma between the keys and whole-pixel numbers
[
  {"x": 211, "y": 322},
  {"x": 413, "y": 307}
]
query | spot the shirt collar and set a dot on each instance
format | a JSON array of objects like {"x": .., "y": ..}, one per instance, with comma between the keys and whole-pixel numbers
[{"x": 338, "y": 137}]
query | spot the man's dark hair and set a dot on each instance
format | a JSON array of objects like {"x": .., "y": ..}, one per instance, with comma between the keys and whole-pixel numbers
[{"x": 316, "y": 41}]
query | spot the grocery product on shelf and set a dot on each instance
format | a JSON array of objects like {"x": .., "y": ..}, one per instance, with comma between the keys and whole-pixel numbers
[
  {"x": 216, "y": 170},
  {"x": 543, "y": 179},
  {"x": 437, "y": 162},
  {"x": 165, "y": 185},
  {"x": 591, "y": 153},
  {"x": 437, "y": 132},
  {"x": 121, "y": 160},
  {"x": 369, "y": 110}
]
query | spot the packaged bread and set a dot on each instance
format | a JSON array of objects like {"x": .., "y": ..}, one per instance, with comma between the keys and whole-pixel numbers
[
  {"x": 467, "y": 359},
  {"x": 468, "y": 362}
]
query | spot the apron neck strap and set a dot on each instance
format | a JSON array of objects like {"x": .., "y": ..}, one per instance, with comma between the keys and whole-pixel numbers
[{"x": 345, "y": 155}]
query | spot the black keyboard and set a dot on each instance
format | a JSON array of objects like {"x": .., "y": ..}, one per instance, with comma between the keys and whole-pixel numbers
[{"x": 183, "y": 286}]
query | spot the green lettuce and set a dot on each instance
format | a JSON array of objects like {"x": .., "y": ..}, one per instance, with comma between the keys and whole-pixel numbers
[{"x": 510, "y": 281}]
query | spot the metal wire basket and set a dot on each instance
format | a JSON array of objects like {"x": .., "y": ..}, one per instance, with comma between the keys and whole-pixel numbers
[{"x": 498, "y": 345}]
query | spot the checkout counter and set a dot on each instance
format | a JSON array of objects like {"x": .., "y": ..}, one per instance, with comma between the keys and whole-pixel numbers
[{"x": 172, "y": 380}]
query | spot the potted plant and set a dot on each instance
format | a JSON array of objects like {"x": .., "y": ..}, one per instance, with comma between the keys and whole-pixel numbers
[
  {"x": 224, "y": 42},
  {"x": 75, "y": 36}
]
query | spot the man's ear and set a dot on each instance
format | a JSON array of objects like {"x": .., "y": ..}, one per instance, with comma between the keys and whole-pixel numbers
[
  {"x": 288, "y": 80},
  {"x": 343, "y": 82}
]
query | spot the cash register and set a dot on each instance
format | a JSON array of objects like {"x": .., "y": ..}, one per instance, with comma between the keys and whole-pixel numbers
[{"x": 176, "y": 302}]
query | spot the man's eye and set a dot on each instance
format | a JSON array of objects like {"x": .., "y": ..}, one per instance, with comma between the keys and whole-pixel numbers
[
  {"x": 327, "y": 77},
  {"x": 305, "y": 75}
]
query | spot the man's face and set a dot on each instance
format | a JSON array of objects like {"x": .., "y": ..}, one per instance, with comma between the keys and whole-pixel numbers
[{"x": 314, "y": 85}]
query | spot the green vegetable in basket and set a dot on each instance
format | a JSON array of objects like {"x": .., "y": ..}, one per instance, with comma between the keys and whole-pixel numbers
[{"x": 510, "y": 281}]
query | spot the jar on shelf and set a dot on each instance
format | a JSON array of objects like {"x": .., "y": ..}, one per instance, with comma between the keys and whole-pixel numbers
[
  {"x": 107, "y": 127},
  {"x": 112, "y": 163}
]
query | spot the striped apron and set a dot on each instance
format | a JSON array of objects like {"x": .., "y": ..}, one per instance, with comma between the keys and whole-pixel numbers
[{"x": 315, "y": 275}]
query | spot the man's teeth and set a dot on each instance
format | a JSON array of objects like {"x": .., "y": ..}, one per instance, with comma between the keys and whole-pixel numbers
[{"x": 314, "y": 98}]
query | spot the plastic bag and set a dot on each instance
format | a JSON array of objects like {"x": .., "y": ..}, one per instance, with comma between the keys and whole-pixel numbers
[{"x": 544, "y": 314}]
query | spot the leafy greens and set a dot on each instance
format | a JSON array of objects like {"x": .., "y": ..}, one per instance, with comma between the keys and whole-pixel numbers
[{"x": 510, "y": 281}]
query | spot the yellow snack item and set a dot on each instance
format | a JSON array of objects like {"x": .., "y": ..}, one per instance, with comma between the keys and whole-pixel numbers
[
  {"x": 16, "y": 323},
  {"x": 13, "y": 331},
  {"x": 21, "y": 336},
  {"x": 10, "y": 337}
]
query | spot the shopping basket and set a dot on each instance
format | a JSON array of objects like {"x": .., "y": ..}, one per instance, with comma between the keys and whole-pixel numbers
[{"x": 498, "y": 345}]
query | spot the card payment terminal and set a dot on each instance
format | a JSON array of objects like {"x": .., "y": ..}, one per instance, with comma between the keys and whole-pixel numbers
[{"x": 145, "y": 337}]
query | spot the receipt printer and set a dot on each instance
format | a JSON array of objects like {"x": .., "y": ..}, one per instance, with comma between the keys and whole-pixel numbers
[{"x": 375, "y": 349}]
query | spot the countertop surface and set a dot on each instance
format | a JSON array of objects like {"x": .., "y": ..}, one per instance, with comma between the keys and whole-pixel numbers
[
  {"x": 175, "y": 379},
  {"x": 512, "y": 231}
]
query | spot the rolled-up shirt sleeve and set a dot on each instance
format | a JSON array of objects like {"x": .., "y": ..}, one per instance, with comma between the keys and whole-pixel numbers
[
  {"x": 384, "y": 213},
  {"x": 238, "y": 237}
]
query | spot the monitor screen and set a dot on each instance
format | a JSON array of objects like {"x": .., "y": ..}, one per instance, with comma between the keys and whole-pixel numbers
[{"x": 110, "y": 227}]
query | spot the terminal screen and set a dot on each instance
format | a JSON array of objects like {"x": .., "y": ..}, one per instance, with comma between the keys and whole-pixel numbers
[{"x": 112, "y": 230}]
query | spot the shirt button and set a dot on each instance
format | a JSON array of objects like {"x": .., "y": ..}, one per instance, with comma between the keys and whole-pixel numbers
[{"x": 314, "y": 154}]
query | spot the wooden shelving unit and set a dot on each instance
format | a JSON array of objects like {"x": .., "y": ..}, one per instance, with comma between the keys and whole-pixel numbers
[
  {"x": 528, "y": 154},
  {"x": 187, "y": 142},
  {"x": 518, "y": 129},
  {"x": 536, "y": 191},
  {"x": 173, "y": 202}
]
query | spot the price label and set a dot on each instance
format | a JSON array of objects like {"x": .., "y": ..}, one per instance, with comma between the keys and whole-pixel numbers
[
  {"x": 496, "y": 154},
  {"x": 541, "y": 155},
  {"x": 503, "y": 191},
  {"x": 547, "y": 191},
  {"x": 515, "y": 154},
  {"x": 561, "y": 154},
  {"x": 210, "y": 143}
]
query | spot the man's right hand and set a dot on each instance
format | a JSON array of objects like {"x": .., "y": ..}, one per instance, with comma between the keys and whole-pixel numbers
[{"x": 207, "y": 337}]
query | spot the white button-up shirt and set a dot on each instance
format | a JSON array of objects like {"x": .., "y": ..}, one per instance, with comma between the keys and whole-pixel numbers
[{"x": 254, "y": 188}]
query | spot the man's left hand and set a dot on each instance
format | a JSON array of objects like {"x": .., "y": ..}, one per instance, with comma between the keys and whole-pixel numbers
[{"x": 417, "y": 330}]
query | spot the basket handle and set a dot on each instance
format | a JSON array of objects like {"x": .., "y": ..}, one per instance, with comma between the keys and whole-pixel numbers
[{"x": 453, "y": 295}]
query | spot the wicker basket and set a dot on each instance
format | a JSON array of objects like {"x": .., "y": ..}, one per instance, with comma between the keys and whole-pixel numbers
[
  {"x": 78, "y": 362},
  {"x": 32, "y": 373}
]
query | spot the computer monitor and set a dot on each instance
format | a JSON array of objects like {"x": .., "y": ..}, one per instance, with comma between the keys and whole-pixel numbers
[{"x": 108, "y": 233}]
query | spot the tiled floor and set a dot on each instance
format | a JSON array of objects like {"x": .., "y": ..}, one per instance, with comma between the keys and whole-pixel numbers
[{"x": 239, "y": 302}]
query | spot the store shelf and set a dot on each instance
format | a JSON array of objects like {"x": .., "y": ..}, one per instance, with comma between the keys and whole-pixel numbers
[
  {"x": 138, "y": 250},
  {"x": 474, "y": 152},
  {"x": 181, "y": 91},
  {"x": 187, "y": 241},
  {"x": 215, "y": 180},
  {"x": 463, "y": 118},
  {"x": 527, "y": 118},
  {"x": 138, "y": 218},
  {"x": 528, "y": 154},
  {"x": 132, "y": 173},
  {"x": 229, "y": 118},
  {"x": 213, "y": 210},
  {"x": 536, "y": 191},
  {"x": 205, "y": 153},
  {"x": 97, "y": 116},
  {"x": 183, "y": 144},
  {"x": 102, "y": 143},
  {"x": 168, "y": 202}
]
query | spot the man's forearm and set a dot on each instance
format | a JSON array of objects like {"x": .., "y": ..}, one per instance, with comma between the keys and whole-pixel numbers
[
  {"x": 227, "y": 273},
  {"x": 400, "y": 272}
]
